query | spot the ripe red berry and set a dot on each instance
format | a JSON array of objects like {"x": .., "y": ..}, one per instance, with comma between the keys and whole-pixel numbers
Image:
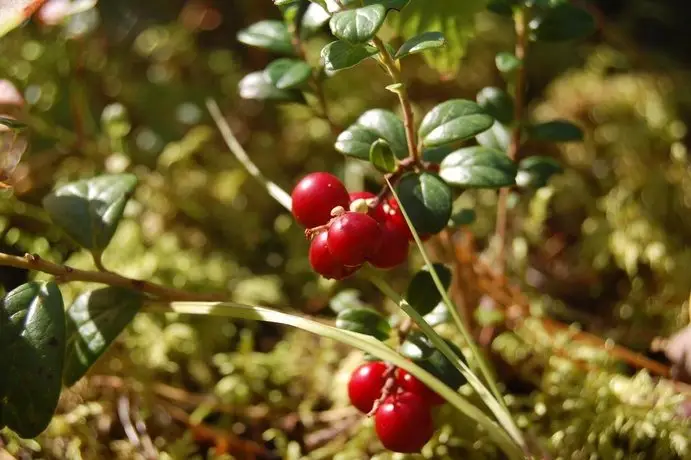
[
  {"x": 378, "y": 213},
  {"x": 315, "y": 196},
  {"x": 403, "y": 423},
  {"x": 408, "y": 382},
  {"x": 324, "y": 263},
  {"x": 395, "y": 218},
  {"x": 365, "y": 385},
  {"x": 353, "y": 237},
  {"x": 393, "y": 250}
]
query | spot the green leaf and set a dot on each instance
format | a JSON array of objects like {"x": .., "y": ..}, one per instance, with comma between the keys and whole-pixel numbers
[
  {"x": 32, "y": 340},
  {"x": 563, "y": 22},
  {"x": 382, "y": 157},
  {"x": 437, "y": 154},
  {"x": 288, "y": 73},
  {"x": 357, "y": 140},
  {"x": 358, "y": 25},
  {"x": 268, "y": 34},
  {"x": 388, "y": 4},
  {"x": 535, "y": 171},
  {"x": 497, "y": 103},
  {"x": 315, "y": 17},
  {"x": 507, "y": 63},
  {"x": 417, "y": 346},
  {"x": 426, "y": 199},
  {"x": 463, "y": 217},
  {"x": 422, "y": 293},
  {"x": 501, "y": 7},
  {"x": 452, "y": 121},
  {"x": 257, "y": 85},
  {"x": 438, "y": 365},
  {"x": 438, "y": 315},
  {"x": 555, "y": 131},
  {"x": 419, "y": 43},
  {"x": 12, "y": 123},
  {"x": 347, "y": 298},
  {"x": 478, "y": 167},
  {"x": 364, "y": 321},
  {"x": 498, "y": 137},
  {"x": 94, "y": 321},
  {"x": 340, "y": 55},
  {"x": 89, "y": 210}
]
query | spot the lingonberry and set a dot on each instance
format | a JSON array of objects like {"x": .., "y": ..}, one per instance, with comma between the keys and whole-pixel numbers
[
  {"x": 315, "y": 196},
  {"x": 324, "y": 263},
  {"x": 393, "y": 250},
  {"x": 366, "y": 384},
  {"x": 378, "y": 213},
  {"x": 353, "y": 237},
  {"x": 408, "y": 382},
  {"x": 396, "y": 219},
  {"x": 403, "y": 422}
]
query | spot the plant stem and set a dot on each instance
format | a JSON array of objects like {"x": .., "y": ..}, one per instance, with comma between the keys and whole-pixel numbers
[
  {"x": 521, "y": 22},
  {"x": 402, "y": 91}
]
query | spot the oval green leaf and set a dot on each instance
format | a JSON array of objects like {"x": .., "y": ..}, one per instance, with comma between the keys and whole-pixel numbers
[
  {"x": 417, "y": 346},
  {"x": 478, "y": 167},
  {"x": 420, "y": 43},
  {"x": 257, "y": 85},
  {"x": 563, "y": 22},
  {"x": 358, "y": 25},
  {"x": 555, "y": 131},
  {"x": 94, "y": 321},
  {"x": 357, "y": 140},
  {"x": 463, "y": 217},
  {"x": 268, "y": 34},
  {"x": 422, "y": 293},
  {"x": 32, "y": 340},
  {"x": 365, "y": 321},
  {"x": 288, "y": 73},
  {"x": 89, "y": 210},
  {"x": 453, "y": 121},
  {"x": 498, "y": 137},
  {"x": 437, "y": 154},
  {"x": 382, "y": 157},
  {"x": 497, "y": 103},
  {"x": 427, "y": 200},
  {"x": 439, "y": 365},
  {"x": 341, "y": 55},
  {"x": 535, "y": 171},
  {"x": 507, "y": 63}
]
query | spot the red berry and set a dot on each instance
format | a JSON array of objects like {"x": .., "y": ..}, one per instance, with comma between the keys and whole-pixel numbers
[
  {"x": 396, "y": 218},
  {"x": 378, "y": 213},
  {"x": 361, "y": 196},
  {"x": 404, "y": 423},
  {"x": 393, "y": 250},
  {"x": 408, "y": 382},
  {"x": 315, "y": 196},
  {"x": 365, "y": 385},
  {"x": 324, "y": 263},
  {"x": 353, "y": 237}
]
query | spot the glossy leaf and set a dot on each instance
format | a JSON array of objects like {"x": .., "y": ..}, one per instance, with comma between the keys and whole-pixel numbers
[
  {"x": 427, "y": 200},
  {"x": 498, "y": 137},
  {"x": 89, "y": 210},
  {"x": 382, "y": 157},
  {"x": 563, "y": 22},
  {"x": 438, "y": 315},
  {"x": 257, "y": 85},
  {"x": 32, "y": 340},
  {"x": 437, "y": 154},
  {"x": 341, "y": 55},
  {"x": 288, "y": 73},
  {"x": 94, "y": 321},
  {"x": 438, "y": 365},
  {"x": 422, "y": 293},
  {"x": 358, "y": 25},
  {"x": 452, "y": 121},
  {"x": 536, "y": 171},
  {"x": 268, "y": 34},
  {"x": 497, "y": 103},
  {"x": 417, "y": 346},
  {"x": 478, "y": 167},
  {"x": 364, "y": 321},
  {"x": 315, "y": 17},
  {"x": 555, "y": 131},
  {"x": 507, "y": 63},
  {"x": 374, "y": 124},
  {"x": 419, "y": 43}
]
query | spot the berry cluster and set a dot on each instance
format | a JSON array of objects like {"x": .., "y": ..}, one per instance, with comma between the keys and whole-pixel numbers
[
  {"x": 403, "y": 419},
  {"x": 348, "y": 229}
]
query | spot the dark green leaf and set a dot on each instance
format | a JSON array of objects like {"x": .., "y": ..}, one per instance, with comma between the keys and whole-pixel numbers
[
  {"x": 347, "y": 298},
  {"x": 478, "y": 167},
  {"x": 507, "y": 63},
  {"x": 437, "y": 154},
  {"x": 453, "y": 121},
  {"x": 288, "y": 73},
  {"x": 420, "y": 43},
  {"x": 555, "y": 131},
  {"x": 32, "y": 340},
  {"x": 422, "y": 293},
  {"x": 498, "y": 137},
  {"x": 89, "y": 210},
  {"x": 94, "y": 321},
  {"x": 358, "y": 25},
  {"x": 496, "y": 103},
  {"x": 535, "y": 171},
  {"x": 272, "y": 35},
  {"x": 501, "y": 7},
  {"x": 438, "y": 365},
  {"x": 13, "y": 124},
  {"x": 341, "y": 55},
  {"x": 364, "y": 321},
  {"x": 257, "y": 85},
  {"x": 439, "y": 315},
  {"x": 382, "y": 157},
  {"x": 374, "y": 124},
  {"x": 463, "y": 217},
  {"x": 426, "y": 199},
  {"x": 417, "y": 346},
  {"x": 563, "y": 22}
]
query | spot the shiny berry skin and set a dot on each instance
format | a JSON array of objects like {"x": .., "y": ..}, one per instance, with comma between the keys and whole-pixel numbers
[
  {"x": 395, "y": 218},
  {"x": 324, "y": 263},
  {"x": 393, "y": 250},
  {"x": 408, "y": 382},
  {"x": 353, "y": 237},
  {"x": 378, "y": 213},
  {"x": 315, "y": 196},
  {"x": 365, "y": 385},
  {"x": 403, "y": 423}
]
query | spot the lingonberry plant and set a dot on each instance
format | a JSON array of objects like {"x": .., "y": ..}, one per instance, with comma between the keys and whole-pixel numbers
[{"x": 425, "y": 166}]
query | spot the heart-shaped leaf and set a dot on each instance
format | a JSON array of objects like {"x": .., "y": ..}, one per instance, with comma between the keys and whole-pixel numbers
[
  {"x": 288, "y": 73},
  {"x": 478, "y": 167},
  {"x": 268, "y": 34},
  {"x": 94, "y": 321},
  {"x": 419, "y": 43},
  {"x": 507, "y": 63},
  {"x": 32, "y": 340},
  {"x": 257, "y": 85},
  {"x": 422, "y": 293},
  {"x": 382, "y": 157},
  {"x": 374, "y": 124},
  {"x": 341, "y": 55},
  {"x": 555, "y": 131},
  {"x": 427, "y": 200},
  {"x": 498, "y": 137},
  {"x": 563, "y": 22},
  {"x": 358, "y": 25},
  {"x": 89, "y": 210},
  {"x": 497, "y": 103},
  {"x": 535, "y": 171},
  {"x": 453, "y": 121},
  {"x": 365, "y": 321}
]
